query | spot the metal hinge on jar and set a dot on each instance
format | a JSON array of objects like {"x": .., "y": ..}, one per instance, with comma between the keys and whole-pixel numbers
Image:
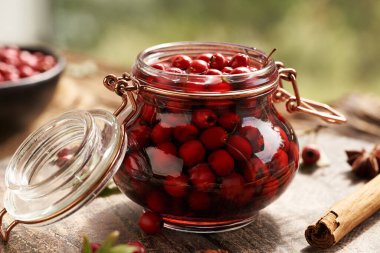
[{"x": 294, "y": 103}]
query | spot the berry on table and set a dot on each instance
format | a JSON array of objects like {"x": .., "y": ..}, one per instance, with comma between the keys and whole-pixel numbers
[
  {"x": 150, "y": 222},
  {"x": 310, "y": 154}
]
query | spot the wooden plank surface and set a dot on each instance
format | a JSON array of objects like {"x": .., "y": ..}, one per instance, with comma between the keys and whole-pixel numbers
[{"x": 278, "y": 228}]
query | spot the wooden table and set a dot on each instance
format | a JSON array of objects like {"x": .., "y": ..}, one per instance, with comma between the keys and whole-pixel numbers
[{"x": 278, "y": 228}]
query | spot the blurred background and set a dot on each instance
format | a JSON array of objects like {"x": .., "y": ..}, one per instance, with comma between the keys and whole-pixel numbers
[{"x": 332, "y": 44}]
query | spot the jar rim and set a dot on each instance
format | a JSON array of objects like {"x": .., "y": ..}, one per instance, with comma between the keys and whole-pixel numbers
[{"x": 264, "y": 79}]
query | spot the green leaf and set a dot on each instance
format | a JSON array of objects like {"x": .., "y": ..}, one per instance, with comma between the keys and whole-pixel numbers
[
  {"x": 86, "y": 245},
  {"x": 108, "y": 242},
  {"x": 123, "y": 249}
]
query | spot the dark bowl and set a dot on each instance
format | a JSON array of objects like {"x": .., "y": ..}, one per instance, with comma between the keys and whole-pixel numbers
[{"x": 23, "y": 100}]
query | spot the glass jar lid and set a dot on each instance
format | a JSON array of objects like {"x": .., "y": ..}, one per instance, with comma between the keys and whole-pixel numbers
[{"x": 63, "y": 165}]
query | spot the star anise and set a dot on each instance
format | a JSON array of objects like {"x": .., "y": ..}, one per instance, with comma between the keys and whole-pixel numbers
[{"x": 365, "y": 164}]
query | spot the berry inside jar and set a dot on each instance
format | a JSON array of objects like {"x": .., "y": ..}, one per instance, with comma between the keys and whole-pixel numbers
[{"x": 209, "y": 149}]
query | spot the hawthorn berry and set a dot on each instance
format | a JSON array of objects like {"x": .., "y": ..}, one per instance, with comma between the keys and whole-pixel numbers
[
  {"x": 232, "y": 185},
  {"x": 239, "y": 60},
  {"x": 185, "y": 133},
  {"x": 161, "y": 133},
  {"x": 310, "y": 154},
  {"x": 217, "y": 61},
  {"x": 202, "y": 177},
  {"x": 213, "y": 137},
  {"x": 176, "y": 186},
  {"x": 221, "y": 162},
  {"x": 150, "y": 222},
  {"x": 198, "y": 67},
  {"x": 229, "y": 121},
  {"x": 192, "y": 152},
  {"x": 199, "y": 201},
  {"x": 181, "y": 61},
  {"x": 239, "y": 147},
  {"x": 204, "y": 118}
]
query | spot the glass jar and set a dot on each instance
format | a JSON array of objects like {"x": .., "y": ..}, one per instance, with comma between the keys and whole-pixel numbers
[{"x": 206, "y": 152}]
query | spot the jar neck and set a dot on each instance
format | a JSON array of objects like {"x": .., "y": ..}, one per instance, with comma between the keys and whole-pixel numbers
[{"x": 265, "y": 76}]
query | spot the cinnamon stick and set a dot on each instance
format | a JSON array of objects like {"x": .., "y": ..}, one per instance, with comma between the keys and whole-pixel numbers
[{"x": 345, "y": 215}]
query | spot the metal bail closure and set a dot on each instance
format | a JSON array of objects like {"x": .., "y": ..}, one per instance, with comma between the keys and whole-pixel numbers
[
  {"x": 61, "y": 167},
  {"x": 297, "y": 104}
]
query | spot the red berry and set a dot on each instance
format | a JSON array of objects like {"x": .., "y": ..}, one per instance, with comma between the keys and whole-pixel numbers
[
  {"x": 202, "y": 177},
  {"x": 213, "y": 72},
  {"x": 279, "y": 163},
  {"x": 214, "y": 137},
  {"x": 26, "y": 71},
  {"x": 227, "y": 70},
  {"x": 185, "y": 132},
  {"x": 229, "y": 121},
  {"x": 175, "y": 70},
  {"x": 270, "y": 187},
  {"x": 218, "y": 61},
  {"x": 150, "y": 222},
  {"x": 204, "y": 118},
  {"x": 181, "y": 61},
  {"x": 231, "y": 186},
  {"x": 246, "y": 195},
  {"x": 256, "y": 170},
  {"x": 139, "y": 136},
  {"x": 220, "y": 87},
  {"x": 168, "y": 148},
  {"x": 239, "y": 60},
  {"x": 199, "y": 201},
  {"x": 205, "y": 57},
  {"x": 239, "y": 148},
  {"x": 159, "y": 66},
  {"x": 192, "y": 152},
  {"x": 198, "y": 67},
  {"x": 240, "y": 70},
  {"x": 253, "y": 135},
  {"x": 148, "y": 113},
  {"x": 221, "y": 162},
  {"x": 194, "y": 87},
  {"x": 310, "y": 154},
  {"x": 161, "y": 133},
  {"x": 139, "y": 247},
  {"x": 176, "y": 186},
  {"x": 157, "y": 201},
  {"x": 95, "y": 246}
]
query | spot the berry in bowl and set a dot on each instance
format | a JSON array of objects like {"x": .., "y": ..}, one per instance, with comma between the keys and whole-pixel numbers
[{"x": 28, "y": 77}]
